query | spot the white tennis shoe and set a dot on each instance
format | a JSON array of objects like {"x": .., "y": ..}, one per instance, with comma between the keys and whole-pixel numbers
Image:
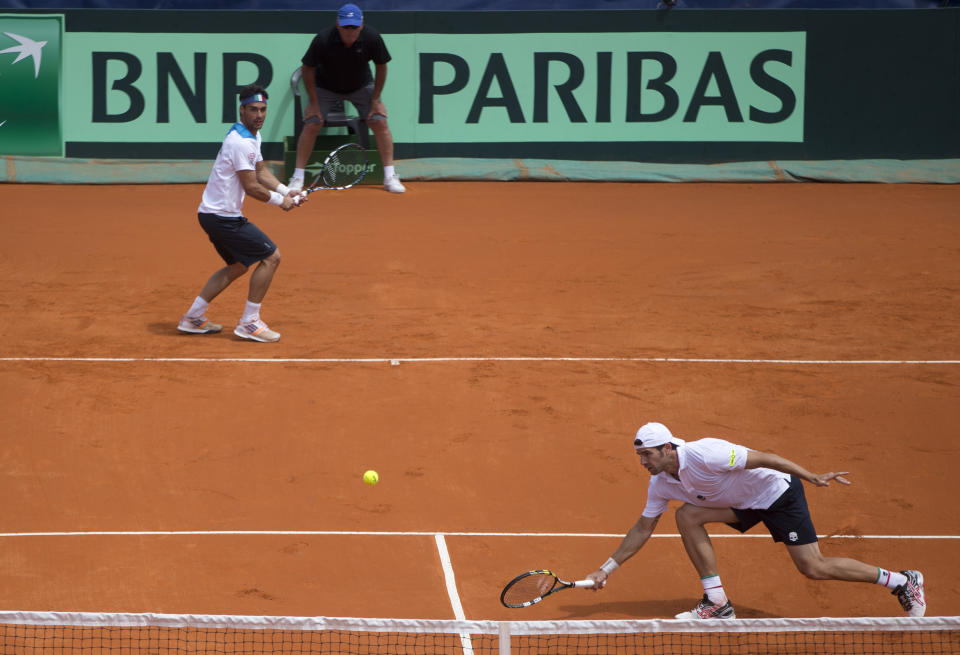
[
  {"x": 911, "y": 595},
  {"x": 706, "y": 609},
  {"x": 256, "y": 331},
  {"x": 295, "y": 184},
  {"x": 392, "y": 184},
  {"x": 199, "y": 325}
]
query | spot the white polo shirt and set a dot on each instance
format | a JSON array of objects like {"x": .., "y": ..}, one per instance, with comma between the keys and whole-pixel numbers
[
  {"x": 224, "y": 193},
  {"x": 712, "y": 474}
]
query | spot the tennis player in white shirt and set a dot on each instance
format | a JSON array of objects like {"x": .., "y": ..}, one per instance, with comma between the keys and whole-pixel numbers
[
  {"x": 239, "y": 171},
  {"x": 722, "y": 482}
]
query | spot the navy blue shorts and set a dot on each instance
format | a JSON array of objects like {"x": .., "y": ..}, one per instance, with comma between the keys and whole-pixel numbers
[
  {"x": 237, "y": 239},
  {"x": 787, "y": 519}
]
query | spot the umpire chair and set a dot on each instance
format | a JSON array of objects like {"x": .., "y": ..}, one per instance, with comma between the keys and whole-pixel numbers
[{"x": 336, "y": 117}]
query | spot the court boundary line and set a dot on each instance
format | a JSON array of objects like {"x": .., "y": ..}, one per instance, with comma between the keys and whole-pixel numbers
[
  {"x": 451, "y": 583},
  {"x": 436, "y": 534},
  {"x": 395, "y": 361}
]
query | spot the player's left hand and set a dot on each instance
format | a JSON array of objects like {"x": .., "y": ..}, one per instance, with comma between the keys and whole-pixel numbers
[{"x": 823, "y": 480}]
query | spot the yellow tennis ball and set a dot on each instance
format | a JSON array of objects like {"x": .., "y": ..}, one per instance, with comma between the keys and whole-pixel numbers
[{"x": 371, "y": 477}]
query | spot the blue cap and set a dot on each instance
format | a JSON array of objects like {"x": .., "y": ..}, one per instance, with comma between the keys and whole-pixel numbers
[{"x": 350, "y": 15}]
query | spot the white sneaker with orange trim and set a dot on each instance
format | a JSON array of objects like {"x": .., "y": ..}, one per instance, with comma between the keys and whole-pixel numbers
[{"x": 256, "y": 331}]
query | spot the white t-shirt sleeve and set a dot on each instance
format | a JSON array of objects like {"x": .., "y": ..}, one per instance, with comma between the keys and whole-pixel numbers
[
  {"x": 243, "y": 155},
  {"x": 724, "y": 456},
  {"x": 656, "y": 502}
]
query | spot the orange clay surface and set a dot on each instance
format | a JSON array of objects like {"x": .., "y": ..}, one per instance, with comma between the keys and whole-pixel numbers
[{"x": 184, "y": 433}]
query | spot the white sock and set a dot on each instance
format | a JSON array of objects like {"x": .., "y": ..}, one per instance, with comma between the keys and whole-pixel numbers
[
  {"x": 198, "y": 308},
  {"x": 388, "y": 171},
  {"x": 251, "y": 312},
  {"x": 890, "y": 579},
  {"x": 298, "y": 173},
  {"x": 713, "y": 588}
]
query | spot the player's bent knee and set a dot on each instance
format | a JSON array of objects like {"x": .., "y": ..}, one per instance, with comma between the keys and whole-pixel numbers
[
  {"x": 685, "y": 515},
  {"x": 815, "y": 570}
]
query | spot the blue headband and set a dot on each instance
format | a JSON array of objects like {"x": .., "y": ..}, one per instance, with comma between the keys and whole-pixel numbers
[{"x": 256, "y": 97}]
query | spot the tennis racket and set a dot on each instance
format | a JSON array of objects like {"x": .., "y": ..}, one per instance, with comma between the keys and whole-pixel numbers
[
  {"x": 343, "y": 168},
  {"x": 533, "y": 586}
]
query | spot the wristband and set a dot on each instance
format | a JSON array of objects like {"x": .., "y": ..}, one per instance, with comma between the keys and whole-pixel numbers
[
  {"x": 275, "y": 198},
  {"x": 609, "y": 566},
  {"x": 283, "y": 190}
]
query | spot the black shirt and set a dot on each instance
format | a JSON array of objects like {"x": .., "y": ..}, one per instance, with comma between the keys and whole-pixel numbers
[{"x": 341, "y": 69}]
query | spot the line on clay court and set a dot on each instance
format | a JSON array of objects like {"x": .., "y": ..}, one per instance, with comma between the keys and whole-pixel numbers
[
  {"x": 434, "y": 534},
  {"x": 395, "y": 361}
]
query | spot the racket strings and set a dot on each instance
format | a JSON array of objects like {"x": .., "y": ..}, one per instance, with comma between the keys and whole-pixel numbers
[
  {"x": 529, "y": 588},
  {"x": 345, "y": 167}
]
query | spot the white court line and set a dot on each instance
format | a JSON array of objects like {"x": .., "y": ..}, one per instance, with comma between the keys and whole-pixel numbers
[
  {"x": 427, "y": 360},
  {"x": 436, "y": 535},
  {"x": 451, "y": 581}
]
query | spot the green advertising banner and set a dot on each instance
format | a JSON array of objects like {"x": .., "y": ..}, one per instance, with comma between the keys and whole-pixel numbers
[
  {"x": 728, "y": 86},
  {"x": 30, "y": 64},
  {"x": 674, "y": 87}
]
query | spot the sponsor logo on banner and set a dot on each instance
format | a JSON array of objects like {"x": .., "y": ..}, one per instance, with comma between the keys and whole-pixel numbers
[{"x": 30, "y": 49}]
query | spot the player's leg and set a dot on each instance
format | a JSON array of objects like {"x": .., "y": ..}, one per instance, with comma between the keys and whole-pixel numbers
[
  {"x": 262, "y": 276},
  {"x": 251, "y": 326},
  {"x": 811, "y": 563},
  {"x": 195, "y": 320},
  {"x": 254, "y": 247},
  {"x": 907, "y": 586},
  {"x": 221, "y": 280},
  {"x": 691, "y": 521},
  {"x": 362, "y": 99},
  {"x": 220, "y": 233},
  {"x": 789, "y": 521}
]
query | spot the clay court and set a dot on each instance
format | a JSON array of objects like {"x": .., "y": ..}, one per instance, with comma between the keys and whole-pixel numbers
[{"x": 490, "y": 349}]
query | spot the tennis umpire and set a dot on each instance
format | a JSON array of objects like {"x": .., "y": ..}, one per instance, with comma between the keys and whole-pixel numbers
[{"x": 336, "y": 68}]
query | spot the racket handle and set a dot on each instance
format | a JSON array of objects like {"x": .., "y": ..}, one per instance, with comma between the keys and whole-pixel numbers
[{"x": 584, "y": 583}]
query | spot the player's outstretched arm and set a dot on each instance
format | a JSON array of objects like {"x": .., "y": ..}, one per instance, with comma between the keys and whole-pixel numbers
[
  {"x": 632, "y": 542},
  {"x": 757, "y": 459}
]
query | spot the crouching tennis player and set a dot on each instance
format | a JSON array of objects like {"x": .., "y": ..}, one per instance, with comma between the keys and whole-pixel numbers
[
  {"x": 237, "y": 172},
  {"x": 721, "y": 482}
]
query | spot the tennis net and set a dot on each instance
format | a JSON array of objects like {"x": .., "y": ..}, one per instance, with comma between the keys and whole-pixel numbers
[{"x": 35, "y": 633}]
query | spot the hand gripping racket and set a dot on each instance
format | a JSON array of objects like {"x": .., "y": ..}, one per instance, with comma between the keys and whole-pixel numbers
[
  {"x": 343, "y": 168},
  {"x": 533, "y": 586}
]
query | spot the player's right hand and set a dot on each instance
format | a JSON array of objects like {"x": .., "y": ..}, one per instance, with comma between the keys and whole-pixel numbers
[
  {"x": 599, "y": 578},
  {"x": 289, "y": 202}
]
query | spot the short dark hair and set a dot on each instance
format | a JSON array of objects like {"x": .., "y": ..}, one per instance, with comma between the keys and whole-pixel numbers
[{"x": 251, "y": 90}]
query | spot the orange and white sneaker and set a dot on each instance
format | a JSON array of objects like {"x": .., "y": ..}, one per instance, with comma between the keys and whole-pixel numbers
[
  {"x": 200, "y": 325},
  {"x": 257, "y": 331}
]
